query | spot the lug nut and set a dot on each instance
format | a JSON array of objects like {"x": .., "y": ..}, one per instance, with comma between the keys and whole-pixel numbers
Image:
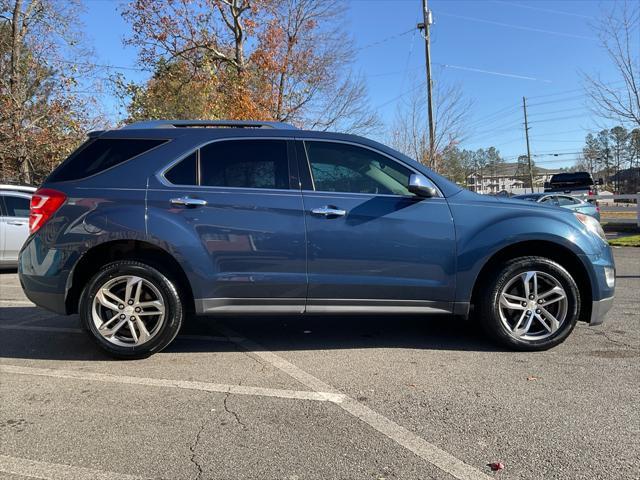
[
  {"x": 537, "y": 310},
  {"x": 130, "y": 302},
  {"x": 123, "y": 316},
  {"x": 531, "y": 297},
  {"x": 133, "y": 318},
  {"x": 540, "y": 301},
  {"x": 528, "y": 312},
  {"x": 524, "y": 304},
  {"x": 120, "y": 307},
  {"x": 137, "y": 309}
]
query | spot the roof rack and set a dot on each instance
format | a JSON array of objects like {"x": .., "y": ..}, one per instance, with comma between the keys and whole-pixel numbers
[{"x": 208, "y": 124}]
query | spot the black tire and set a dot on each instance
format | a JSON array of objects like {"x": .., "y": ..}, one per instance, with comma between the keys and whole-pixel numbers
[
  {"x": 173, "y": 305},
  {"x": 490, "y": 297}
]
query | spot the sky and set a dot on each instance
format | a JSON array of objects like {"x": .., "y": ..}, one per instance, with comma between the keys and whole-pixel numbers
[{"x": 495, "y": 51}]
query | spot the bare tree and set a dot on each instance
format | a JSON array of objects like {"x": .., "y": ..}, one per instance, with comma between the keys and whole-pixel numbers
[
  {"x": 619, "y": 34},
  {"x": 409, "y": 133}
]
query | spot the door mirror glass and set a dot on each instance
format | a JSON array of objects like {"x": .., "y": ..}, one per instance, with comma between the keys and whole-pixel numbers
[{"x": 421, "y": 186}]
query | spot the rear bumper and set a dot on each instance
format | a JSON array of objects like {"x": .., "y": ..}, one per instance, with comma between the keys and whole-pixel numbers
[
  {"x": 599, "y": 310},
  {"x": 43, "y": 276}
]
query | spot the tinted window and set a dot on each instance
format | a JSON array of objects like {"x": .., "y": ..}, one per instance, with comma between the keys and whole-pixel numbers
[
  {"x": 17, "y": 206},
  {"x": 549, "y": 200},
  {"x": 245, "y": 163},
  {"x": 338, "y": 167},
  {"x": 185, "y": 172},
  {"x": 98, "y": 155}
]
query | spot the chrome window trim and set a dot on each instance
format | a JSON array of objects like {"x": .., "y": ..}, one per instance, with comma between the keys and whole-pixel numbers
[
  {"x": 354, "y": 144},
  {"x": 160, "y": 174}
]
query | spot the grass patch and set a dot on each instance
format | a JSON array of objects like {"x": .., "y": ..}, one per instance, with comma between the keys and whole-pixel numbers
[{"x": 629, "y": 241}]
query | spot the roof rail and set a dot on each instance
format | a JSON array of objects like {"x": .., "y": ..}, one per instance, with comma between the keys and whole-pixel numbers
[{"x": 208, "y": 123}]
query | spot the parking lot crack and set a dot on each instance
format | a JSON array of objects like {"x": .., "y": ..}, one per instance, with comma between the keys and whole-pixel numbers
[
  {"x": 193, "y": 447},
  {"x": 232, "y": 412}
]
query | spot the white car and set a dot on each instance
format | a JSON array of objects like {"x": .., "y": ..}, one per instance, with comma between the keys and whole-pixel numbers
[{"x": 14, "y": 222}]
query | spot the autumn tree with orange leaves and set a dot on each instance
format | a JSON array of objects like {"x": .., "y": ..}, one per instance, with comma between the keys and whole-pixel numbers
[
  {"x": 283, "y": 60},
  {"x": 42, "y": 116}
]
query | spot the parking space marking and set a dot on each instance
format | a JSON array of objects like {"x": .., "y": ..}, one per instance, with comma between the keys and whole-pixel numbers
[
  {"x": 56, "y": 471},
  {"x": 318, "y": 396},
  {"x": 14, "y": 303},
  {"x": 409, "y": 440}
]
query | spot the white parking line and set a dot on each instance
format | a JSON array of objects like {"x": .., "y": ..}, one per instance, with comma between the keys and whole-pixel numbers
[
  {"x": 13, "y": 303},
  {"x": 409, "y": 440},
  {"x": 56, "y": 471},
  {"x": 167, "y": 383}
]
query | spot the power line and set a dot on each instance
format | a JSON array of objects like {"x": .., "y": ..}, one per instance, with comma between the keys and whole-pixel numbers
[
  {"x": 547, "y": 120},
  {"x": 384, "y": 40},
  {"x": 519, "y": 27},
  {"x": 491, "y": 72},
  {"x": 548, "y": 10}
]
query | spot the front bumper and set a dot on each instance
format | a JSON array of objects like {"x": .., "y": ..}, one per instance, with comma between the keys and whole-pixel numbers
[{"x": 599, "y": 309}]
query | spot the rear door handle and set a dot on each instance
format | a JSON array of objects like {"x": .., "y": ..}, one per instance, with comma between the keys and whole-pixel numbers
[
  {"x": 329, "y": 211},
  {"x": 188, "y": 202},
  {"x": 16, "y": 223}
]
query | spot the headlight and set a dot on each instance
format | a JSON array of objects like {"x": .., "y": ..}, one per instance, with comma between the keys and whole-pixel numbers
[{"x": 592, "y": 225}]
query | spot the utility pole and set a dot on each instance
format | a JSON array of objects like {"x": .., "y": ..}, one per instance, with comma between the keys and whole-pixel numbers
[
  {"x": 526, "y": 132},
  {"x": 427, "y": 21}
]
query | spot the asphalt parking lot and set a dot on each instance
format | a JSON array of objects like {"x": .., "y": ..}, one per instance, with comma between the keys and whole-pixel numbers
[{"x": 320, "y": 397}]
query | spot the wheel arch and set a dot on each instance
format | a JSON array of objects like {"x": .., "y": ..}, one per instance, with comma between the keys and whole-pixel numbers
[
  {"x": 541, "y": 248},
  {"x": 106, "y": 252}
]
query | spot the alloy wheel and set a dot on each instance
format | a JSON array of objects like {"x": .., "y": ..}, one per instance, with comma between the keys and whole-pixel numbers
[
  {"x": 533, "y": 305},
  {"x": 128, "y": 311}
]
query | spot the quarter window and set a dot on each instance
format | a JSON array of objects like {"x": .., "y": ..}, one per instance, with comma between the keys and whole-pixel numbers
[
  {"x": 98, "y": 155},
  {"x": 339, "y": 167},
  {"x": 245, "y": 164},
  {"x": 185, "y": 172}
]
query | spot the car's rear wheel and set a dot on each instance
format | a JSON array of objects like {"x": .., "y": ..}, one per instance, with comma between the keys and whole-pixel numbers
[
  {"x": 531, "y": 303},
  {"x": 131, "y": 309}
]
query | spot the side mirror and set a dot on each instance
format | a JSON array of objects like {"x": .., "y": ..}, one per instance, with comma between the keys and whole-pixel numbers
[{"x": 421, "y": 186}]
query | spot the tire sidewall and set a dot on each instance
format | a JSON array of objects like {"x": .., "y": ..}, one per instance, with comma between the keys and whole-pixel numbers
[
  {"x": 173, "y": 308},
  {"x": 491, "y": 312}
]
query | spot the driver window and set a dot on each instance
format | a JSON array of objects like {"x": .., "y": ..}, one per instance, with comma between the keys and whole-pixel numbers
[{"x": 339, "y": 167}]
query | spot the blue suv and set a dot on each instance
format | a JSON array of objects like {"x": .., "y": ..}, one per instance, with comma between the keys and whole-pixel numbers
[{"x": 143, "y": 225}]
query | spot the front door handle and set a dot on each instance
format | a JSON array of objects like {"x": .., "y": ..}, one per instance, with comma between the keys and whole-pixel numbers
[
  {"x": 188, "y": 202},
  {"x": 329, "y": 211}
]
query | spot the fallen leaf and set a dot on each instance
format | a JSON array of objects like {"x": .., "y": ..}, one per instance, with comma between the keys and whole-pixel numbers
[
  {"x": 496, "y": 466},
  {"x": 532, "y": 378}
]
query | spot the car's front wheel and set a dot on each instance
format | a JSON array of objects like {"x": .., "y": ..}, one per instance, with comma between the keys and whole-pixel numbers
[
  {"x": 530, "y": 303},
  {"x": 131, "y": 309}
]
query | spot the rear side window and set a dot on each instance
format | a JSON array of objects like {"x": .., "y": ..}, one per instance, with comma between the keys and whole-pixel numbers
[
  {"x": 245, "y": 164},
  {"x": 16, "y": 206},
  {"x": 100, "y": 154}
]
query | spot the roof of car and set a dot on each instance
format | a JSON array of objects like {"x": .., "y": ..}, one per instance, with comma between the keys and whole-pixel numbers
[
  {"x": 209, "y": 124},
  {"x": 17, "y": 188}
]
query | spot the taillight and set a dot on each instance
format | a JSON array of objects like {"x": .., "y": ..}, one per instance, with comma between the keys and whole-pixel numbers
[{"x": 44, "y": 203}]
